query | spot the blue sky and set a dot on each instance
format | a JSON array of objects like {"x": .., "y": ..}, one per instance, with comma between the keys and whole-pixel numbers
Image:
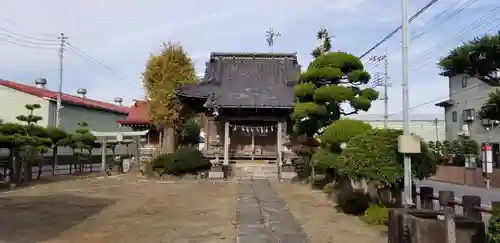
[{"x": 121, "y": 35}]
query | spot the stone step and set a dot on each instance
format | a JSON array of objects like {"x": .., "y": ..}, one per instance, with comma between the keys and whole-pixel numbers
[{"x": 256, "y": 171}]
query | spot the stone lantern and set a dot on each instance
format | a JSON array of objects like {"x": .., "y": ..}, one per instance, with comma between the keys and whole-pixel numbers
[{"x": 216, "y": 171}]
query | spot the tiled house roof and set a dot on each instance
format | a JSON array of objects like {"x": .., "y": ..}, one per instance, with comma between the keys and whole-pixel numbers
[
  {"x": 138, "y": 115},
  {"x": 253, "y": 80},
  {"x": 65, "y": 98}
]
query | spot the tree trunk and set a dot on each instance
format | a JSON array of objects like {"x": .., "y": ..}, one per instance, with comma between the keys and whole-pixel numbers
[
  {"x": 13, "y": 178},
  {"x": 55, "y": 159},
  {"x": 40, "y": 167},
  {"x": 168, "y": 145}
]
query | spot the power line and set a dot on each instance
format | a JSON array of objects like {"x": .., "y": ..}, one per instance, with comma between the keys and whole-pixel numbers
[
  {"x": 49, "y": 44},
  {"x": 473, "y": 26},
  {"x": 49, "y": 41},
  {"x": 481, "y": 22},
  {"x": 14, "y": 38},
  {"x": 419, "y": 12},
  {"x": 447, "y": 17},
  {"x": 94, "y": 62},
  {"x": 28, "y": 45}
]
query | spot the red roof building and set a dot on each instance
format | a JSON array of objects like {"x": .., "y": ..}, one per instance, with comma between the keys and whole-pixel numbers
[
  {"x": 65, "y": 98},
  {"x": 138, "y": 119},
  {"x": 137, "y": 116}
]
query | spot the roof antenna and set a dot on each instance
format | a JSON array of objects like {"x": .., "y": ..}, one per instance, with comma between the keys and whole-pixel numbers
[{"x": 270, "y": 36}]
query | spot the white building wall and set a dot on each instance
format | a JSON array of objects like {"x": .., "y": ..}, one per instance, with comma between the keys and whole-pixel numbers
[
  {"x": 13, "y": 102},
  {"x": 425, "y": 126}
]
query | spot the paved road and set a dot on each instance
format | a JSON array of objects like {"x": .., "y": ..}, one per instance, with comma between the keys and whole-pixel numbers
[
  {"x": 263, "y": 216},
  {"x": 487, "y": 196}
]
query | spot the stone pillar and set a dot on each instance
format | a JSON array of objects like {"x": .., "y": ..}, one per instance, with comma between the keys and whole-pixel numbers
[
  {"x": 226, "y": 143},
  {"x": 279, "y": 147},
  {"x": 207, "y": 132},
  {"x": 103, "y": 156},
  {"x": 253, "y": 146}
]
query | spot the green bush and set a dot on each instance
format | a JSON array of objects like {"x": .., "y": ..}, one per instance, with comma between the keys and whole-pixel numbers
[
  {"x": 322, "y": 160},
  {"x": 183, "y": 161},
  {"x": 374, "y": 156},
  {"x": 187, "y": 160},
  {"x": 494, "y": 227},
  {"x": 329, "y": 188},
  {"x": 159, "y": 162},
  {"x": 341, "y": 131},
  {"x": 376, "y": 215},
  {"x": 189, "y": 133}
]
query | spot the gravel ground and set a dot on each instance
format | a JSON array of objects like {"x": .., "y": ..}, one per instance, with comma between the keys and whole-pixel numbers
[
  {"x": 122, "y": 209},
  {"x": 321, "y": 222}
]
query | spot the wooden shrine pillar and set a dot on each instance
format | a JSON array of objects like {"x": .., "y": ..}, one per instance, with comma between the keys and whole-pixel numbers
[
  {"x": 226, "y": 143},
  {"x": 279, "y": 147}
]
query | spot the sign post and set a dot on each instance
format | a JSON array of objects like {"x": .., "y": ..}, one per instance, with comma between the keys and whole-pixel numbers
[{"x": 487, "y": 165}]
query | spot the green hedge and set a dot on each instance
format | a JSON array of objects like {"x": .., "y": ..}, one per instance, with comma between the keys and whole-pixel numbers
[{"x": 183, "y": 161}]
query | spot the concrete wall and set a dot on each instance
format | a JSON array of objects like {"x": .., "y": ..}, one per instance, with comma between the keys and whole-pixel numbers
[
  {"x": 13, "y": 104},
  {"x": 472, "y": 95},
  {"x": 465, "y": 176}
]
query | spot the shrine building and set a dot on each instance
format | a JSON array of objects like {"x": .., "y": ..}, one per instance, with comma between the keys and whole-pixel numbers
[{"x": 246, "y": 99}]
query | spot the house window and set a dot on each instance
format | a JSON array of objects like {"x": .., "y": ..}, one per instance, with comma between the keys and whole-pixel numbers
[
  {"x": 454, "y": 116},
  {"x": 469, "y": 115},
  {"x": 464, "y": 81}
]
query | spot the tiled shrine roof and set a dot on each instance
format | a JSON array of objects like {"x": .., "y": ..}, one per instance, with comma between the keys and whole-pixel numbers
[{"x": 251, "y": 80}]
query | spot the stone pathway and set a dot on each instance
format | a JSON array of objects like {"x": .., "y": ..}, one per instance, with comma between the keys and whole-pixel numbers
[{"x": 263, "y": 217}]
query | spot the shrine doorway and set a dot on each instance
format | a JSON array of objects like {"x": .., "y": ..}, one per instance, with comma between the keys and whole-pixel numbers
[{"x": 253, "y": 140}]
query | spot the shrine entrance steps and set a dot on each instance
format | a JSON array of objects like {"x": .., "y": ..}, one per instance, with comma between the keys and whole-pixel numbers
[{"x": 254, "y": 170}]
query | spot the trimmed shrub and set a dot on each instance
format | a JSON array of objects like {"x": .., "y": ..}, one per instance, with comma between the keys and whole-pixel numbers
[
  {"x": 323, "y": 160},
  {"x": 494, "y": 227},
  {"x": 376, "y": 215},
  {"x": 187, "y": 160},
  {"x": 159, "y": 162},
  {"x": 329, "y": 189},
  {"x": 341, "y": 131},
  {"x": 374, "y": 156},
  {"x": 184, "y": 161}
]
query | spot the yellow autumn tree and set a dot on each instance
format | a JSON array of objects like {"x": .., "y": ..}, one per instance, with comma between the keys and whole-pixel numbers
[{"x": 164, "y": 72}]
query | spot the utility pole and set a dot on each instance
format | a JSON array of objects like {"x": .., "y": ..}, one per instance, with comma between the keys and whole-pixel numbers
[
  {"x": 63, "y": 39},
  {"x": 384, "y": 82},
  {"x": 436, "y": 125},
  {"x": 407, "y": 193}
]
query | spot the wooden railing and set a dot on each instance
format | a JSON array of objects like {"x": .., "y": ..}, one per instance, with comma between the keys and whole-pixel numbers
[
  {"x": 427, "y": 223},
  {"x": 472, "y": 207}
]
